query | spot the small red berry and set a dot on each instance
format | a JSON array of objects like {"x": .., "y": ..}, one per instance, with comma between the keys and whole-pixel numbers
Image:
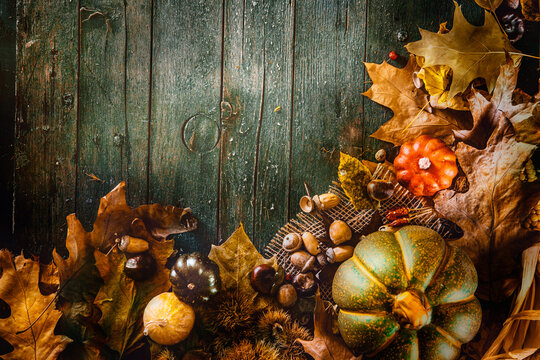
[{"x": 393, "y": 55}]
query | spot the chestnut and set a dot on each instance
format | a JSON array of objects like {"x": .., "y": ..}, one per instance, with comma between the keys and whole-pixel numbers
[
  {"x": 305, "y": 284},
  {"x": 140, "y": 267},
  {"x": 287, "y": 295},
  {"x": 380, "y": 190},
  {"x": 262, "y": 278}
]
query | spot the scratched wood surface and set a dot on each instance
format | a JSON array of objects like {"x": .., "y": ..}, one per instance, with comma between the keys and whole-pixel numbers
[{"x": 224, "y": 106}]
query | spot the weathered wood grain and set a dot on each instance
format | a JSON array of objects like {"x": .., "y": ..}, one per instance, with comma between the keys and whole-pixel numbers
[
  {"x": 137, "y": 57},
  {"x": 7, "y": 112},
  {"x": 102, "y": 119},
  {"x": 326, "y": 95},
  {"x": 271, "y": 205},
  {"x": 186, "y": 81},
  {"x": 45, "y": 144},
  {"x": 255, "y": 148}
]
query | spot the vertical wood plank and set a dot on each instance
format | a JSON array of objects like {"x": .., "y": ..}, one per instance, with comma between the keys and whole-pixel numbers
[
  {"x": 102, "y": 118},
  {"x": 138, "y": 78},
  {"x": 45, "y": 123},
  {"x": 186, "y": 85},
  {"x": 326, "y": 117},
  {"x": 243, "y": 96},
  {"x": 7, "y": 112},
  {"x": 272, "y": 171},
  {"x": 386, "y": 19}
]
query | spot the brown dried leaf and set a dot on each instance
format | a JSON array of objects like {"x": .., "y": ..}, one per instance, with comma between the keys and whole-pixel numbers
[
  {"x": 531, "y": 9},
  {"x": 492, "y": 211},
  {"x": 115, "y": 219},
  {"x": 325, "y": 344},
  {"x": 488, "y": 114},
  {"x": 471, "y": 51},
  {"x": 19, "y": 288},
  {"x": 236, "y": 258},
  {"x": 393, "y": 88}
]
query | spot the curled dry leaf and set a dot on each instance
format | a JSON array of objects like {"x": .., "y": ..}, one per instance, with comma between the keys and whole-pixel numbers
[
  {"x": 326, "y": 345},
  {"x": 19, "y": 288},
  {"x": 236, "y": 258},
  {"x": 492, "y": 211},
  {"x": 490, "y": 5},
  {"x": 470, "y": 51},
  {"x": 394, "y": 88},
  {"x": 488, "y": 114}
]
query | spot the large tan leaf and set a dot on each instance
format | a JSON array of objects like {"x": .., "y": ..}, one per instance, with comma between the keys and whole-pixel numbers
[
  {"x": 19, "y": 288},
  {"x": 488, "y": 113},
  {"x": 470, "y": 51},
  {"x": 394, "y": 88},
  {"x": 236, "y": 258},
  {"x": 325, "y": 344},
  {"x": 492, "y": 211}
]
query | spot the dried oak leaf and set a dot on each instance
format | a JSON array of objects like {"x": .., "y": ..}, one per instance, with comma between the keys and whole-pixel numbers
[
  {"x": 470, "y": 51},
  {"x": 488, "y": 114},
  {"x": 236, "y": 258},
  {"x": 19, "y": 288},
  {"x": 325, "y": 344},
  {"x": 491, "y": 212},
  {"x": 354, "y": 177},
  {"x": 115, "y": 219},
  {"x": 394, "y": 88}
]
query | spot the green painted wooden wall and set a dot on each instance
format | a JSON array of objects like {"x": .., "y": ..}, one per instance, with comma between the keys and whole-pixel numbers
[{"x": 225, "y": 106}]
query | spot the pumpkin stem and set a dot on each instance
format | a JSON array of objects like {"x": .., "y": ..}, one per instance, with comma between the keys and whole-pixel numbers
[
  {"x": 424, "y": 163},
  {"x": 412, "y": 309},
  {"x": 191, "y": 286}
]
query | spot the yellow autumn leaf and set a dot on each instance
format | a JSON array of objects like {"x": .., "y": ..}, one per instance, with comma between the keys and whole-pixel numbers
[
  {"x": 470, "y": 51},
  {"x": 490, "y": 5},
  {"x": 354, "y": 177}
]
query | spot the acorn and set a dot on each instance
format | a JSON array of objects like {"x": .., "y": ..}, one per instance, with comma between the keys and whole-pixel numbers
[
  {"x": 306, "y": 204},
  {"x": 303, "y": 261},
  {"x": 132, "y": 244},
  {"x": 340, "y": 232},
  {"x": 140, "y": 267},
  {"x": 380, "y": 190},
  {"x": 292, "y": 242},
  {"x": 326, "y": 201},
  {"x": 311, "y": 243},
  {"x": 339, "y": 253}
]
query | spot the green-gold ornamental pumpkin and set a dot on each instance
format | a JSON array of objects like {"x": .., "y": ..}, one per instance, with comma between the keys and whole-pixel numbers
[{"x": 407, "y": 295}]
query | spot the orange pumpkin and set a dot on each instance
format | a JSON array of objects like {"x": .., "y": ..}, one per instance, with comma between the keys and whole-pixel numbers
[{"x": 425, "y": 166}]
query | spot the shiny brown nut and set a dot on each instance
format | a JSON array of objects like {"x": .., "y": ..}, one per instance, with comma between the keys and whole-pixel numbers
[
  {"x": 380, "y": 190},
  {"x": 287, "y": 295},
  {"x": 311, "y": 243},
  {"x": 303, "y": 260},
  {"x": 305, "y": 284},
  {"x": 340, "y": 232},
  {"x": 262, "y": 278}
]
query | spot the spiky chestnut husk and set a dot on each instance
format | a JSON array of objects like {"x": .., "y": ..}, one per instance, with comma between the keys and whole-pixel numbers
[
  {"x": 245, "y": 350},
  {"x": 229, "y": 312},
  {"x": 164, "y": 354},
  {"x": 277, "y": 327}
]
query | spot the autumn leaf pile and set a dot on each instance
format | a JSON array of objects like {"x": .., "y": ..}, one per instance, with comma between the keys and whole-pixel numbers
[
  {"x": 97, "y": 312},
  {"x": 459, "y": 85}
]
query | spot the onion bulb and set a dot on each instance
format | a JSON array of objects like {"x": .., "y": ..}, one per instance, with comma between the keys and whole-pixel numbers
[{"x": 167, "y": 320}]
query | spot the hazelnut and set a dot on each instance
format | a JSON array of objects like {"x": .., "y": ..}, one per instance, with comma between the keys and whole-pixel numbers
[
  {"x": 340, "y": 232},
  {"x": 292, "y": 242},
  {"x": 311, "y": 243},
  {"x": 287, "y": 295},
  {"x": 339, "y": 253}
]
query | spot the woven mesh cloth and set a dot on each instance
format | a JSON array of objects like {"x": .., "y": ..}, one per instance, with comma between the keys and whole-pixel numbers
[{"x": 358, "y": 220}]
